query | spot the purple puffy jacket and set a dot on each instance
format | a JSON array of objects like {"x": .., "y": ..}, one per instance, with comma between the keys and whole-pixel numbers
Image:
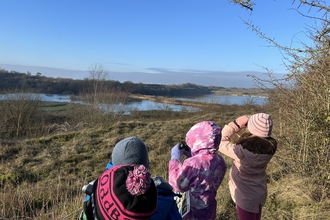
[{"x": 202, "y": 173}]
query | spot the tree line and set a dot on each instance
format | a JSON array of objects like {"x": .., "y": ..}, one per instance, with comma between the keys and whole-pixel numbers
[
  {"x": 25, "y": 115},
  {"x": 16, "y": 81}
]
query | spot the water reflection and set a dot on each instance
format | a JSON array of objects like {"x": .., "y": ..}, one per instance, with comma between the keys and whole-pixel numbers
[
  {"x": 55, "y": 98},
  {"x": 228, "y": 100},
  {"x": 144, "y": 105},
  {"x": 125, "y": 108}
]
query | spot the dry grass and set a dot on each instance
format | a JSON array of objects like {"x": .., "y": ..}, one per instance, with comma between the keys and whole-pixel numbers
[{"x": 42, "y": 178}]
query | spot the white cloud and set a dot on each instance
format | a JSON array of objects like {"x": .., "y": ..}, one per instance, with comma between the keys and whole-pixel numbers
[{"x": 162, "y": 76}]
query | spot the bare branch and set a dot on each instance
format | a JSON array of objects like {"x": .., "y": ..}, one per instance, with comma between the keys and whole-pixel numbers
[
  {"x": 244, "y": 3},
  {"x": 321, "y": 5}
]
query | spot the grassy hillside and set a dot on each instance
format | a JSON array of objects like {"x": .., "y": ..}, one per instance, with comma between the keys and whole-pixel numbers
[{"x": 42, "y": 178}]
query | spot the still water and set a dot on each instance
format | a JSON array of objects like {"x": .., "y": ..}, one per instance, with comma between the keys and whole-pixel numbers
[
  {"x": 143, "y": 105},
  {"x": 228, "y": 100},
  {"x": 138, "y": 105}
]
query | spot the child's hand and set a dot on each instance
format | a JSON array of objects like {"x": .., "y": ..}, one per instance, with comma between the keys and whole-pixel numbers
[
  {"x": 239, "y": 123},
  {"x": 176, "y": 153},
  {"x": 242, "y": 121}
]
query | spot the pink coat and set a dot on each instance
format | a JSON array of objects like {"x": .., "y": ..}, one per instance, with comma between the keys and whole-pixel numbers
[
  {"x": 201, "y": 174},
  {"x": 247, "y": 177}
]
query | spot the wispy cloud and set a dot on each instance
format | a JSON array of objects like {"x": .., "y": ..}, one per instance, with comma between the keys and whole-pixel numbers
[{"x": 160, "y": 76}]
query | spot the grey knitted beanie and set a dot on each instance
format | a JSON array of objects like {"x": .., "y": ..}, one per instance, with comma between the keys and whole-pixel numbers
[{"x": 130, "y": 150}]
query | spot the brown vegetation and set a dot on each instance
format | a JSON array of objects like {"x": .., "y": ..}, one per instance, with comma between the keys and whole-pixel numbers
[{"x": 41, "y": 178}]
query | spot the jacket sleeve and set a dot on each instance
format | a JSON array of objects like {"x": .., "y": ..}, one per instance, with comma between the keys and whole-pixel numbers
[
  {"x": 109, "y": 165},
  {"x": 181, "y": 175},
  {"x": 226, "y": 147}
]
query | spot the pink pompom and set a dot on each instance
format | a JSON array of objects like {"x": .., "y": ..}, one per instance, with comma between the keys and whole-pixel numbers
[{"x": 138, "y": 180}]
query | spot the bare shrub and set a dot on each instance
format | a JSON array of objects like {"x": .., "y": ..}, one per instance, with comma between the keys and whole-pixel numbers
[
  {"x": 300, "y": 101},
  {"x": 20, "y": 111},
  {"x": 100, "y": 104}
]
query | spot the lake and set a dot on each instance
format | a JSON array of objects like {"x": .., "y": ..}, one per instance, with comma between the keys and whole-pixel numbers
[
  {"x": 228, "y": 100},
  {"x": 143, "y": 105}
]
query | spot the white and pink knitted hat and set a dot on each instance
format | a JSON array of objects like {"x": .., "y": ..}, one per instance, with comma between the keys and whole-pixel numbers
[{"x": 260, "y": 124}]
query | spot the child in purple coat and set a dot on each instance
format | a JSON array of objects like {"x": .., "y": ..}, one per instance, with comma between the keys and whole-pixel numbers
[{"x": 202, "y": 172}]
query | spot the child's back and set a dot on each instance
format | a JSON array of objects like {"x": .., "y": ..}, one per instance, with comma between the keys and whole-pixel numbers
[{"x": 202, "y": 173}]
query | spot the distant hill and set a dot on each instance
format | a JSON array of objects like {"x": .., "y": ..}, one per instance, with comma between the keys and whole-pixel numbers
[
  {"x": 11, "y": 81},
  {"x": 155, "y": 76}
]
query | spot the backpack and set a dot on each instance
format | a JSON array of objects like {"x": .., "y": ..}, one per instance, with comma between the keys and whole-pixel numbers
[{"x": 167, "y": 208}]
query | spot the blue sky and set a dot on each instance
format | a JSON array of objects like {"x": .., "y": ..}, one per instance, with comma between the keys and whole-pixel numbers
[{"x": 145, "y": 36}]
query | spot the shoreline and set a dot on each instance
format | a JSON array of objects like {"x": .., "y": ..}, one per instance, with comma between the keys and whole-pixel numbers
[
  {"x": 176, "y": 101},
  {"x": 167, "y": 100}
]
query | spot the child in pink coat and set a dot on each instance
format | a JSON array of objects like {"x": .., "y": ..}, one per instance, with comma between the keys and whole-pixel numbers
[
  {"x": 250, "y": 153},
  {"x": 201, "y": 174}
]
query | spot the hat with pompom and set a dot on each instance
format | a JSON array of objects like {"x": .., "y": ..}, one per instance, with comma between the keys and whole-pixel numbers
[
  {"x": 131, "y": 150},
  {"x": 125, "y": 192},
  {"x": 260, "y": 124}
]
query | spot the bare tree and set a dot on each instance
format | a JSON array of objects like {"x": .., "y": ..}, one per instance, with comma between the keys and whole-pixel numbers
[
  {"x": 103, "y": 102},
  {"x": 98, "y": 75}
]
